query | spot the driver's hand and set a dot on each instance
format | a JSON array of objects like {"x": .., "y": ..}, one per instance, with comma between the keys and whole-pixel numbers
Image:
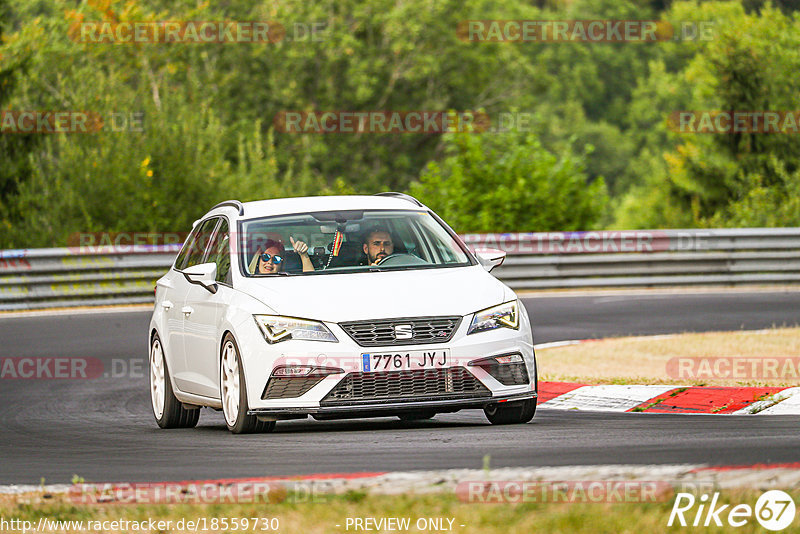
[{"x": 299, "y": 246}]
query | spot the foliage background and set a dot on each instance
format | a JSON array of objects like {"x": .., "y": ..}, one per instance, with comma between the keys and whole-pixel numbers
[{"x": 599, "y": 154}]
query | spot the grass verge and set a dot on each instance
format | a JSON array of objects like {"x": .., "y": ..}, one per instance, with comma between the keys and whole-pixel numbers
[{"x": 646, "y": 360}]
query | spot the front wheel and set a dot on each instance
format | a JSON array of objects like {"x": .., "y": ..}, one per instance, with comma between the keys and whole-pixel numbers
[
  {"x": 512, "y": 413},
  {"x": 168, "y": 410},
  {"x": 233, "y": 388}
]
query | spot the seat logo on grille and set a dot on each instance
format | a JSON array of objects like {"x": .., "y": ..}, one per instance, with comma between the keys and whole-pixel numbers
[{"x": 403, "y": 331}]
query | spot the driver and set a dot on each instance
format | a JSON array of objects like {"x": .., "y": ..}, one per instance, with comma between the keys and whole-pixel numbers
[{"x": 377, "y": 244}]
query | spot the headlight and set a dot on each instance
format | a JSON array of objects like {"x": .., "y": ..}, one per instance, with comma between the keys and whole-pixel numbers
[
  {"x": 276, "y": 329},
  {"x": 501, "y": 316}
]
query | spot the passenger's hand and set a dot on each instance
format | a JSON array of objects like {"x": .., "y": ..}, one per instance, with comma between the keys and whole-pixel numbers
[{"x": 299, "y": 246}]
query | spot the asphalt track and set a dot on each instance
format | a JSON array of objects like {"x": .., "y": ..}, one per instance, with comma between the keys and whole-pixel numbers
[{"x": 103, "y": 430}]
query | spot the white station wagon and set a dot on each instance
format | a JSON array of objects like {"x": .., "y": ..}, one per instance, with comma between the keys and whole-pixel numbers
[{"x": 335, "y": 307}]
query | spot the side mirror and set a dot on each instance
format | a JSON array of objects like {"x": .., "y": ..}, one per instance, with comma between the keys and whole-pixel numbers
[
  {"x": 490, "y": 258},
  {"x": 204, "y": 274}
]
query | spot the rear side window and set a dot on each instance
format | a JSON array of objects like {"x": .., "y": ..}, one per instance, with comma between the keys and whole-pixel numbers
[
  {"x": 219, "y": 253},
  {"x": 195, "y": 246}
]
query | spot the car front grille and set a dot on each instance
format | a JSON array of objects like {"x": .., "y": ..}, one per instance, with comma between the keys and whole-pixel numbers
[
  {"x": 287, "y": 387},
  {"x": 432, "y": 384},
  {"x": 508, "y": 374},
  {"x": 403, "y": 331}
]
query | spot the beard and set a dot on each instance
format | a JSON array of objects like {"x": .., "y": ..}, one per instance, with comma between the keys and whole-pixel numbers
[{"x": 378, "y": 256}]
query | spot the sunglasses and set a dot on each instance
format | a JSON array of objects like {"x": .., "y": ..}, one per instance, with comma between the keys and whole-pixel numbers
[{"x": 276, "y": 259}]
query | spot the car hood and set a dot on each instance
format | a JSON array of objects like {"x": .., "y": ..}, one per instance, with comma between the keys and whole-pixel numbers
[{"x": 380, "y": 295}]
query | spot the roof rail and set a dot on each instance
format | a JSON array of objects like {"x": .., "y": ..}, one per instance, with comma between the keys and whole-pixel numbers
[
  {"x": 233, "y": 204},
  {"x": 403, "y": 196}
]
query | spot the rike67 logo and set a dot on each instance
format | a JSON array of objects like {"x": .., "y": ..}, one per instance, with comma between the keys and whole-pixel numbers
[{"x": 774, "y": 510}]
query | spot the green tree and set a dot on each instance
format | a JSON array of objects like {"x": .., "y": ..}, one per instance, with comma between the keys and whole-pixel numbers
[
  {"x": 720, "y": 179},
  {"x": 509, "y": 183},
  {"x": 209, "y": 115}
]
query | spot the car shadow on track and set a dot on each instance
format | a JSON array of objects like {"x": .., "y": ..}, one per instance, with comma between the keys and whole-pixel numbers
[{"x": 213, "y": 423}]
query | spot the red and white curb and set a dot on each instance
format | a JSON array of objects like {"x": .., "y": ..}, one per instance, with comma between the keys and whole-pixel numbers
[
  {"x": 667, "y": 399},
  {"x": 670, "y": 399}
]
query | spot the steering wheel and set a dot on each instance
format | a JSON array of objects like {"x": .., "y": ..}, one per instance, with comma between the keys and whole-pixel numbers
[{"x": 401, "y": 258}]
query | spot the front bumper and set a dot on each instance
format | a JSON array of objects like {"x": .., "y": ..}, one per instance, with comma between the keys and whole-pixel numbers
[
  {"x": 378, "y": 409},
  {"x": 261, "y": 359}
]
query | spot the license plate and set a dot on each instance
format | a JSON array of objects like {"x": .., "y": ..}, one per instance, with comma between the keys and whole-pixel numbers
[{"x": 405, "y": 361}]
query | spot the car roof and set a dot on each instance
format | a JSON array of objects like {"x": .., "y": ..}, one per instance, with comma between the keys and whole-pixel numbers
[{"x": 286, "y": 206}]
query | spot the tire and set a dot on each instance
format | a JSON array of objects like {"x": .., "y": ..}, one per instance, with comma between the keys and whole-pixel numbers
[
  {"x": 168, "y": 410},
  {"x": 416, "y": 416},
  {"x": 233, "y": 393},
  {"x": 512, "y": 413}
]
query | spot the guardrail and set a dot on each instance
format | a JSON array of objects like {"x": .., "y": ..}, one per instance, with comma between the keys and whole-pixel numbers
[
  {"x": 649, "y": 258},
  {"x": 56, "y": 277},
  {"x": 43, "y": 278}
]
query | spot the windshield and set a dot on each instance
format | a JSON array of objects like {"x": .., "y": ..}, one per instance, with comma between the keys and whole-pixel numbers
[{"x": 347, "y": 241}]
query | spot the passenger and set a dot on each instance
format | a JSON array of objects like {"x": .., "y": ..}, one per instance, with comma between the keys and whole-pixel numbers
[
  {"x": 271, "y": 260},
  {"x": 377, "y": 245}
]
